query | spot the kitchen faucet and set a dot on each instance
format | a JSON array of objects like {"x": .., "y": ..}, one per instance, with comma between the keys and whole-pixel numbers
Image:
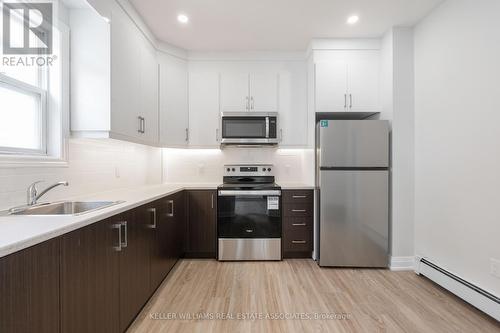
[{"x": 33, "y": 195}]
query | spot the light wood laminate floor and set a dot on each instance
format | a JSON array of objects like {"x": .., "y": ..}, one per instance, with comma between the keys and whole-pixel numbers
[{"x": 357, "y": 300}]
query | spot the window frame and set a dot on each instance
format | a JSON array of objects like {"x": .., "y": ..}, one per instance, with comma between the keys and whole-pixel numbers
[{"x": 28, "y": 89}]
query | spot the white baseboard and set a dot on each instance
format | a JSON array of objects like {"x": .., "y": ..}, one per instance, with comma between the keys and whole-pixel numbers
[
  {"x": 484, "y": 301},
  {"x": 402, "y": 263}
]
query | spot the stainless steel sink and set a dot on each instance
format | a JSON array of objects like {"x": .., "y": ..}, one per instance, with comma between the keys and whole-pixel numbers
[{"x": 63, "y": 208}]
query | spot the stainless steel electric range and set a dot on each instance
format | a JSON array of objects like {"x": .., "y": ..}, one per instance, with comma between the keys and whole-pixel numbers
[{"x": 249, "y": 214}]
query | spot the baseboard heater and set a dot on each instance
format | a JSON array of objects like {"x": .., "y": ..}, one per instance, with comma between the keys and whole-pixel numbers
[{"x": 469, "y": 292}]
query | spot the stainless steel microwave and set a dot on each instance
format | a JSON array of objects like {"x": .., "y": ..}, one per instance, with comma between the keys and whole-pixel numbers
[{"x": 249, "y": 128}]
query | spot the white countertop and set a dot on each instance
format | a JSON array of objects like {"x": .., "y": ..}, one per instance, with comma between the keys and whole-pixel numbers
[{"x": 19, "y": 232}]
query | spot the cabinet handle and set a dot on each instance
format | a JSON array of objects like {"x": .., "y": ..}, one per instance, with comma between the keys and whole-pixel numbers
[
  {"x": 187, "y": 134},
  {"x": 217, "y": 134},
  {"x": 143, "y": 125},
  {"x": 253, "y": 104},
  {"x": 281, "y": 134},
  {"x": 248, "y": 103},
  {"x": 345, "y": 101},
  {"x": 118, "y": 227},
  {"x": 299, "y": 196},
  {"x": 350, "y": 101},
  {"x": 124, "y": 240},
  {"x": 212, "y": 201},
  {"x": 171, "y": 203},
  {"x": 298, "y": 210},
  {"x": 140, "y": 124},
  {"x": 298, "y": 241},
  {"x": 299, "y": 224},
  {"x": 153, "y": 211}
]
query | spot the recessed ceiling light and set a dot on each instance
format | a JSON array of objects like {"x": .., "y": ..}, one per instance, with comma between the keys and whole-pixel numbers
[
  {"x": 182, "y": 18},
  {"x": 353, "y": 19}
]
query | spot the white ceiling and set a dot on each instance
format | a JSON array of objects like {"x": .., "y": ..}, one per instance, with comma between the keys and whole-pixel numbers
[{"x": 264, "y": 25}]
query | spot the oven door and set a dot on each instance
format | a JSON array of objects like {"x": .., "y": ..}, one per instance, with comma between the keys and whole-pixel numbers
[{"x": 249, "y": 214}]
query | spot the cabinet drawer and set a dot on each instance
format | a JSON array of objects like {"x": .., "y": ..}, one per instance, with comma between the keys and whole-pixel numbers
[
  {"x": 292, "y": 196},
  {"x": 298, "y": 210},
  {"x": 297, "y": 239},
  {"x": 301, "y": 223}
]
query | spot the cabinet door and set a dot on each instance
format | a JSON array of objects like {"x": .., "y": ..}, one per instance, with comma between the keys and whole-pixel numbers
[
  {"x": 180, "y": 223},
  {"x": 161, "y": 248},
  {"x": 331, "y": 86},
  {"x": 126, "y": 45},
  {"x": 293, "y": 116},
  {"x": 90, "y": 279},
  {"x": 204, "y": 114},
  {"x": 234, "y": 91},
  {"x": 29, "y": 289},
  {"x": 364, "y": 81},
  {"x": 173, "y": 101},
  {"x": 202, "y": 223},
  {"x": 149, "y": 92},
  {"x": 264, "y": 91},
  {"x": 134, "y": 264}
]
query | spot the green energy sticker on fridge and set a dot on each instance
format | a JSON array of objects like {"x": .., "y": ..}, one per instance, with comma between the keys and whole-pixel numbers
[
  {"x": 273, "y": 203},
  {"x": 324, "y": 123}
]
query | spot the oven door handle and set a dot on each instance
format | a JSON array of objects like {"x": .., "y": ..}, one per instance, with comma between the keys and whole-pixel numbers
[{"x": 230, "y": 193}]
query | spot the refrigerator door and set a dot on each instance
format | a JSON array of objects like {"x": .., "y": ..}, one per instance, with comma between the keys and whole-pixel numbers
[
  {"x": 354, "y": 227},
  {"x": 353, "y": 143}
]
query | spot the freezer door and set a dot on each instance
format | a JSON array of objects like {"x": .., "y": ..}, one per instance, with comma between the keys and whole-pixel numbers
[
  {"x": 354, "y": 218},
  {"x": 354, "y": 143}
]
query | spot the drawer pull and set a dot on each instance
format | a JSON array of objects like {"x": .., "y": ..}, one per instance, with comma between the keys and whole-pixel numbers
[
  {"x": 299, "y": 224},
  {"x": 299, "y": 196},
  {"x": 298, "y": 210},
  {"x": 298, "y": 241}
]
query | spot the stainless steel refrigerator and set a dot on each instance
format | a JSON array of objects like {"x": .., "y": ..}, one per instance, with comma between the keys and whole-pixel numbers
[{"x": 352, "y": 177}]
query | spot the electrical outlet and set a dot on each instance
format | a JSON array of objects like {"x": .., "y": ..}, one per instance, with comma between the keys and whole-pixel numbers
[{"x": 495, "y": 267}]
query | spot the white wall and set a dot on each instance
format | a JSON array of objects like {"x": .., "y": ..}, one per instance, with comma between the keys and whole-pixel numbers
[
  {"x": 206, "y": 165},
  {"x": 94, "y": 166},
  {"x": 457, "y": 139}
]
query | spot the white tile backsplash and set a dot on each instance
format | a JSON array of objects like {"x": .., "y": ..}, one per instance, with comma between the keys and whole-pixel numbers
[
  {"x": 94, "y": 166},
  {"x": 206, "y": 165}
]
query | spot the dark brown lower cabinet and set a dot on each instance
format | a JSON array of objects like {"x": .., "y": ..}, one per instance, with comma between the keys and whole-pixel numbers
[
  {"x": 298, "y": 219},
  {"x": 201, "y": 240},
  {"x": 135, "y": 263},
  {"x": 29, "y": 290},
  {"x": 168, "y": 236},
  {"x": 90, "y": 278}
]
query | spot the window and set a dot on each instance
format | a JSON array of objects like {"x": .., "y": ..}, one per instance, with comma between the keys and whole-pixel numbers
[
  {"x": 34, "y": 100},
  {"x": 23, "y": 125}
]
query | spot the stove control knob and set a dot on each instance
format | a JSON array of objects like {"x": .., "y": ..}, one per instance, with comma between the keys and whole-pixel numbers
[
  {"x": 228, "y": 169},
  {"x": 269, "y": 169},
  {"x": 233, "y": 169},
  {"x": 264, "y": 169}
]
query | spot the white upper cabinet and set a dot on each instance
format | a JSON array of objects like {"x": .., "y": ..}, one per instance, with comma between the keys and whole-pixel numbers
[
  {"x": 244, "y": 90},
  {"x": 204, "y": 114},
  {"x": 347, "y": 81},
  {"x": 114, "y": 78},
  {"x": 331, "y": 86},
  {"x": 293, "y": 116},
  {"x": 263, "y": 91},
  {"x": 234, "y": 91},
  {"x": 364, "y": 81},
  {"x": 174, "y": 112}
]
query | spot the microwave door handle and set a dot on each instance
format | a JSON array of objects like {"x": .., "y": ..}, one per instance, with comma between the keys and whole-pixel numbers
[{"x": 267, "y": 127}]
